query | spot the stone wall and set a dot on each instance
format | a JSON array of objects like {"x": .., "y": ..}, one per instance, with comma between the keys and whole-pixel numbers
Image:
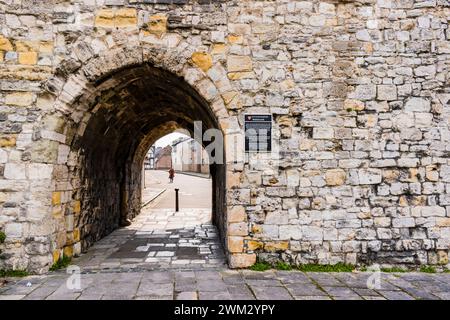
[{"x": 359, "y": 91}]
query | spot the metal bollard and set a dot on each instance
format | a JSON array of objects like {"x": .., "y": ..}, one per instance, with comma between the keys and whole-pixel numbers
[{"x": 177, "y": 204}]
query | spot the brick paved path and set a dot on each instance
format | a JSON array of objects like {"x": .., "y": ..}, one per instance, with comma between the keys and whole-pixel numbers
[{"x": 228, "y": 284}]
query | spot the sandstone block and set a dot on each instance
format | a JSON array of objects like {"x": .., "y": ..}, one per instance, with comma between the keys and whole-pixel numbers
[
  {"x": 353, "y": 105},
  {"x": 239, "y": 63},
  {"x": 237, "y": 214},
  {"x": 125, "y": 18},
  {"x": 56, "y": 255},
  {"x": 5, "y": 44},
  {"x": 157, "y": 24},
  {"x": 68, "y": 251},
  {"x": 77, "y": 207},
  {"x": 235, "y": 244},
  {"x": 56, "y": 198},
  {"x": 335, "y": 177},
  {"x": 253, "y": 245},
  {"x": 7, "y": 141},
  {"x": 242, "y": 260},
  {"x": 203, "y": 60},
  {"x": 105, "y": 18},
  {"x": 238, "y": 229},
  {"x": 276, "y": 246},
  {"x": 28, "y": 58}
]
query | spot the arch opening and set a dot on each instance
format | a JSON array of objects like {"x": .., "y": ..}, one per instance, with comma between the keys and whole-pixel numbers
[{"x": 128, "y": 112}]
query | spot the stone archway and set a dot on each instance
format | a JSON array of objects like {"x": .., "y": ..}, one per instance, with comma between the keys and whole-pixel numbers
[{"x": 114, "y": 108}]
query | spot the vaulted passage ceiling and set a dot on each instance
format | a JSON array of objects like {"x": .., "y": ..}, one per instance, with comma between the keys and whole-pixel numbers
[
  {"x": 143, "y": 99},
  {"x": 133, "y": 108}
]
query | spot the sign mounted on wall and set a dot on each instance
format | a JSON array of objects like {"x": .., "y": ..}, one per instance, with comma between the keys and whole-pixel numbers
[{"x": 258, "y": 132}]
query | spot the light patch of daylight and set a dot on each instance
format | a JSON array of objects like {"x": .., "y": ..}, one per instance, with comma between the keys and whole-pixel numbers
[{"x": 167, "y": 140}]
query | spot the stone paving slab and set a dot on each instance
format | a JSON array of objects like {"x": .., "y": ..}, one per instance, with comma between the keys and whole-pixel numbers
[
  {"x": 224, "y": 284},
  {"x": 158, "y": 239}
]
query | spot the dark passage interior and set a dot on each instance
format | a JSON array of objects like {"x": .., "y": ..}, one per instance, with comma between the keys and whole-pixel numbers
[{"x": 144, "y": 104}]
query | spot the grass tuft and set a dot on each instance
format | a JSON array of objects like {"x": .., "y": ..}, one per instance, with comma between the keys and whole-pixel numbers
[
  {"x": 2, "y": 237},
  {"x": 283, "y": 266},
  {"x": 339, "y": 267},
  {"x": 261, "y": 266},
  {"x": 61, "y": 263},
  {"x": 13, "y": 273},
  {"x": 427, "y": 269},
  {"x": 393, "y": 269}
]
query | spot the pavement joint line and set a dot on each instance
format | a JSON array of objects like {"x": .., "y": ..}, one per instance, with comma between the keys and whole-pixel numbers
[{"x": 318, "y": 285}]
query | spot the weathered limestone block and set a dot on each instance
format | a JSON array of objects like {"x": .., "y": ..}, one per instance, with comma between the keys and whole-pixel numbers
[
  {"x": 387, "y": 92},
  {"x": 323, "y": 133},
  {"x": 21, "y": 99},
  {"x": 14, "y": 171},
  {"x": 417, "y": 105},
  {"x": 238, "y": 229},
  {"x": 312, "y": 233},
  {"x": 364, "y": 92},
  {"x": 289, "y": 232},
  {"x": 369, "y": 176},
  {"x": 13, "y": 230}
]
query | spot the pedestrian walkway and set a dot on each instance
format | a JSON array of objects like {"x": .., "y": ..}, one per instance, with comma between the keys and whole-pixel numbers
[
  {"x": 231, "y": 285},
  {"x": 160, "y": 238},
  {"x": 194, "y": 191}
]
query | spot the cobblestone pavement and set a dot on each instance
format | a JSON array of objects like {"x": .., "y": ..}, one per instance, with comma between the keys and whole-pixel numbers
[
  {"x": 158, "y": 238},
  {"x": 231, "y": 285}
]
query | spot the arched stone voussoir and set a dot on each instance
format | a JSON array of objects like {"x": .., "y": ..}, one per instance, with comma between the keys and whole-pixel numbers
[
  {"x": 100, "y": 67},
  {"x": 166, "y": 59}
]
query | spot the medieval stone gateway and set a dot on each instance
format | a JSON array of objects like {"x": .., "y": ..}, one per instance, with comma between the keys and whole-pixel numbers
[{"x": 358, "y": 90}]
